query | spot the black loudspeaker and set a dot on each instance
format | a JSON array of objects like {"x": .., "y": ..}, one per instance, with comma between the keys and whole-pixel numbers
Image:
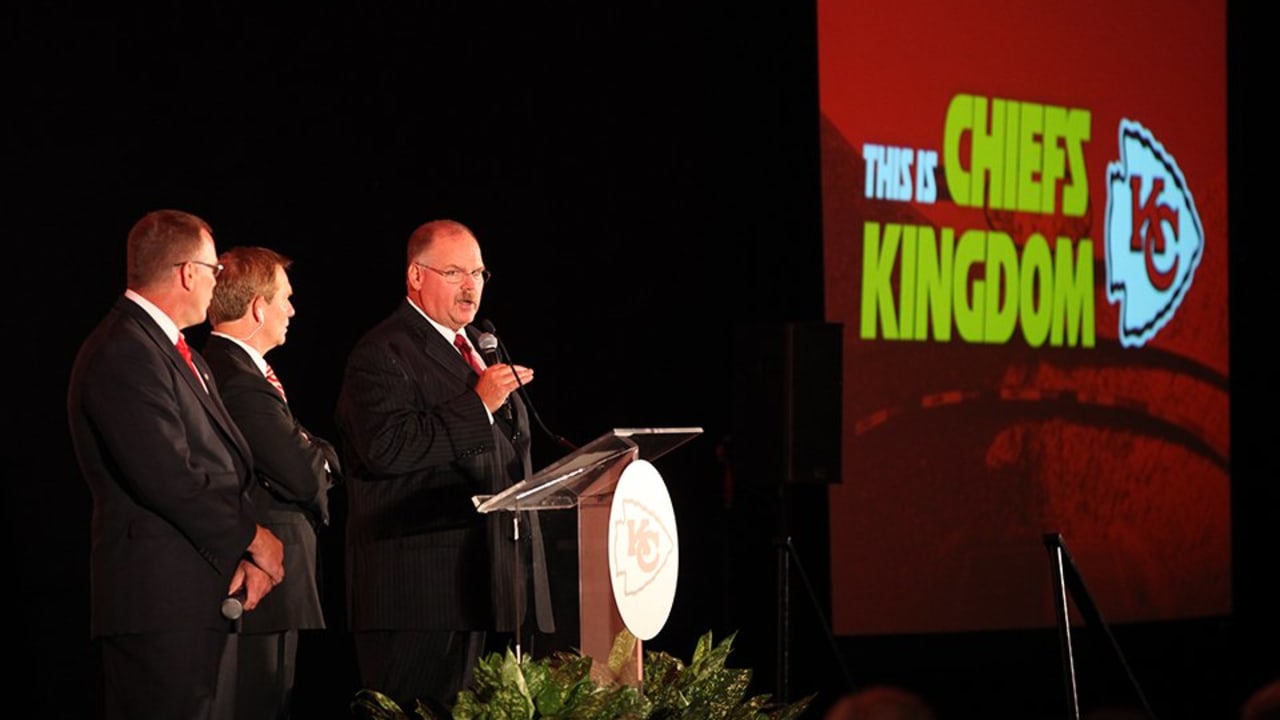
[{"x": 787, "y": 393}]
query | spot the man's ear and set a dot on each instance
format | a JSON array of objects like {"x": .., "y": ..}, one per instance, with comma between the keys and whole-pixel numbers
[{"x": 185, "y": 276}]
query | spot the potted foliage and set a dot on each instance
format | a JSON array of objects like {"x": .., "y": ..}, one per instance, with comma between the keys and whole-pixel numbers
[{"x": 561, "y": 687}]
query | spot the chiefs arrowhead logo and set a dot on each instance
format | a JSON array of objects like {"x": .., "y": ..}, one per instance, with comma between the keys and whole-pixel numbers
[
  {"x": 1154, "y": 240},
  {"x": 642, "y": 546}
]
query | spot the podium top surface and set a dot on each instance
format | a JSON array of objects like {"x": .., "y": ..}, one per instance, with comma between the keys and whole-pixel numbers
[{"x": 561, "y": 484}]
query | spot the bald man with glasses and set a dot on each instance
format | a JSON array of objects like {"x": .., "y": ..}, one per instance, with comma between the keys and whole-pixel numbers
[{"x": 424, "y": 426}]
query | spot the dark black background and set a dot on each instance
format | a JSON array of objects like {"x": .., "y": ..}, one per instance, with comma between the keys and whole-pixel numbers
[{"x": 644, "y": 182}]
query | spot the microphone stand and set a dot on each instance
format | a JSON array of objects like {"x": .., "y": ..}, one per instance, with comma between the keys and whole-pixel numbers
[
  {"x": 518, "y": 579},
  {"x": 788, "y": 558},
  {"x": 524, "y": 395},
  {"x": 515, "y": 516}
]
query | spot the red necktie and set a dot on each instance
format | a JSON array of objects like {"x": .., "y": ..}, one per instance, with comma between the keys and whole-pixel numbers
[
  {"x": 460, "y": 342},
  {"x": 185, "y": 351},
  {"x": 275, "y": 381}
]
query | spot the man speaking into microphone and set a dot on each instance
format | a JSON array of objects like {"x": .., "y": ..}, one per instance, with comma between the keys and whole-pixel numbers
[{"x": 426, "y": 424}]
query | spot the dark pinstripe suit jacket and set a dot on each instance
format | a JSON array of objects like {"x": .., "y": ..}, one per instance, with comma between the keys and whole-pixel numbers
[
  {"x": 168, "y": 470},
  {"x": 417, "y": 445}
]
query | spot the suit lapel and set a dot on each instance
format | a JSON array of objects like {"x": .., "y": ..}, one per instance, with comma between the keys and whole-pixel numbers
[
  {"x": 209, "y": 399},
  {"x": 244, "y": 364},
  {"x": 439, "y": 350},
  {"x": 212, "y": 401},
  {"x": 434, "y": 346}
]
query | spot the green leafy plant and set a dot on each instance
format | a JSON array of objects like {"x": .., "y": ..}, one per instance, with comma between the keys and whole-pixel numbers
[{"x": 561, "y": 687}]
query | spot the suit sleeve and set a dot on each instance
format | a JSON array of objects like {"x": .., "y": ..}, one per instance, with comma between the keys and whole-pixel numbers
[
  {"x": 400, "y": 414},
  {"x": 289, "y": 461}
]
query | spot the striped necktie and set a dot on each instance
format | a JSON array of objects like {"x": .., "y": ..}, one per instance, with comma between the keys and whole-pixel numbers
[{"x": 275, "y": 381}]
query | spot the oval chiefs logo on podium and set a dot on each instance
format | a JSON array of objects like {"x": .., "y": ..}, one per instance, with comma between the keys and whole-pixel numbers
[{"x": 644, "y": 549}]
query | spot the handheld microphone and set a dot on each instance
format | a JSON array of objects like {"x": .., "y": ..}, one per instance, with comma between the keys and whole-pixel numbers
[
  {"x": 487, "y": 343},
  {"x": 491, "y": 332},
  {"x": 233, "y": 605}
]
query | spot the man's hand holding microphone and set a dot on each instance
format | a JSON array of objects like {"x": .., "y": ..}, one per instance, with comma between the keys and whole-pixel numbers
[{"x": 255, "y": 576}]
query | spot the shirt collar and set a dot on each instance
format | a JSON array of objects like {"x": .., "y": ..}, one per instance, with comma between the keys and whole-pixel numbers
[
  {"x": 445, "y": 331},
  {"x": 254, "y": 355},
  {"x": 165, "y": 322}
]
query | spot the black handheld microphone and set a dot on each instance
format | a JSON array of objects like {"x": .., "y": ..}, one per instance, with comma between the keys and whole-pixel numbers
[
  {"x": 233, "y": 605},
  {"x": 487, "y": 343},
  {"x": 491, "y": 332}
]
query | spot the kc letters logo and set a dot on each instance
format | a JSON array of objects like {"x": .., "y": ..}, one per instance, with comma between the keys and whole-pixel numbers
[
  {"x": 1154, "y": 237},
  {"x": 642, "y": 546}
]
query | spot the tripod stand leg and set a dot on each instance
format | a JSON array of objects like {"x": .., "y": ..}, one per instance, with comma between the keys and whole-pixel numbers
[
  {"x": 1064, "y": 633},
  {"x": 788, "y": 556},
  {"x": 784, "y": 621}
]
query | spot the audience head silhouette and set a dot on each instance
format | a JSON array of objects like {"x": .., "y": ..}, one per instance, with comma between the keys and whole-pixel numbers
[
  {"x": 880, "y": 702},
  {"x": 1263, "y": 704}
]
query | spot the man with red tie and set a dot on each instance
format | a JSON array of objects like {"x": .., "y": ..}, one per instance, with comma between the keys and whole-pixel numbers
[
  {"x": 293, "y": 468},
  {"x": 430, "y": 580},
  {"x": 173, "y": 530}
]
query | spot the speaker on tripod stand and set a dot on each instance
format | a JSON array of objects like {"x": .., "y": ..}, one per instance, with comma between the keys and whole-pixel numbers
[{"x": 785, "y": 449}]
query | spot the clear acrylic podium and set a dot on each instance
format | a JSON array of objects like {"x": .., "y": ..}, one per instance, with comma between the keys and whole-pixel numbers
[{"x": 585, "y": 479}]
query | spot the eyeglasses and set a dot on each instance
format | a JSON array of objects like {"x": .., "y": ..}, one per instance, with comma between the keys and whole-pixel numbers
[
  {"x": 215, "y": 267},
  {"x": 454, "y": 276}
]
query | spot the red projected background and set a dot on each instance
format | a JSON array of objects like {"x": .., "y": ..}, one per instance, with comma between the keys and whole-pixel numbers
[{"x": 1026, "y": 242}]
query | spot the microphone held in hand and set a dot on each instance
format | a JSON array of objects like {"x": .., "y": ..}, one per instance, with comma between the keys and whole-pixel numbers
[
  {"x": 487, "y": 343},
  {"x": 233, "y": 605},
  {"x": 490, "y": 339}
]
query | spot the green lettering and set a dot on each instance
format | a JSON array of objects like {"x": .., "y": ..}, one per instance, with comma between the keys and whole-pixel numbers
[
  {"x": 1002, "y": 288},
  {"x": 968, "y": 304},
  {"x": 933, "y": 284},
  {"x": 1073, "y": 294},
  {"x": 877, "y": 280},
  {"x": 1036, "y": 276}
]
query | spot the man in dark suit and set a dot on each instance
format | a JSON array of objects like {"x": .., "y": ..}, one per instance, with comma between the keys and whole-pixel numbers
[
  {"x": 425, "y": 426},
  {"x": 294, "y": 471},
  {"x": 173, "y": 527}
]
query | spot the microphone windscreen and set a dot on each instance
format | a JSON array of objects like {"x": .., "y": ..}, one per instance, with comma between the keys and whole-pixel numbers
[{"x": 487, "y": 326}]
